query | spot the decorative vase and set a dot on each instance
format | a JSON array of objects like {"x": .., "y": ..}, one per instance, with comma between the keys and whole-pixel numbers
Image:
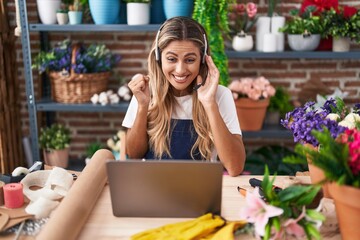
[
  {"x": 58, "y": 158},
  {"x": 138, "y": 13},
  {"x": 347, "y": 205},
  {"x": 75, "y": 17},
  {"x": 341, "y": 44},
  {"x": 269, "y": 44},
  {"x": 157, "y": 14},
  {"x": 105, "y": 11},
  {"x": 262, "y": 27},
  {"x": 325, "y": 44},
  {"x": 251, "y": 113},
  {"x": 317, "y": 174},
  {"x": 62, "y": 18},
  {"x": 47, "y": 10},
  {"x": 242, "y": 42},
  {"x": 173, "y": 8},
  {"x": 303, "y": 42}
]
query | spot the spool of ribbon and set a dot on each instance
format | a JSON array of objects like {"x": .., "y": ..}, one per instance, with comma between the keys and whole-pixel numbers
[{"x": 13, "y": 195}]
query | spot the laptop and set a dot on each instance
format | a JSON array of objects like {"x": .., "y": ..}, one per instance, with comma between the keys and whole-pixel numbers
[{"x": 164, "y": 188}]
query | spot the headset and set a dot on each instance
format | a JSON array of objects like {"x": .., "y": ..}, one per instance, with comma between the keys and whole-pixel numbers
[{"x": 157, "y": 49}]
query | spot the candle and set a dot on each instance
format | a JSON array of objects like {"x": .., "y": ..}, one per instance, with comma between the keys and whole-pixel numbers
[{"x": 13, "y": 195}]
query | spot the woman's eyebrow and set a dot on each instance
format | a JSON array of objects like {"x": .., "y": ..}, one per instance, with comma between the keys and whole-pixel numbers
[{"x": 186, "y": 55}]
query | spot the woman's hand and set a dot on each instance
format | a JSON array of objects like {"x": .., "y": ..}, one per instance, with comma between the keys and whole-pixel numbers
[
  {"x": 139, "y": 86},
  {"x": 207, "y": 92}
]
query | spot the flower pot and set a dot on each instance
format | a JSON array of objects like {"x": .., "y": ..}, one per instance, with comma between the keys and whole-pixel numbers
[
  {"x": 138, "y": 13},
  {"x": 75, "y": 17},
  {"x": 242, "y": 42},
  {"x": 104, "y": 11},
  {"x": 58, "y": 158},
  {"x": 325, "y": 44},
  {"x": 47, "y": 10},
  {"x": 251, "y": 113},
  {"x": 174, "y": 8},
  {"x": 62, "y": 18},
  {"x": 301, "y": 42},
  {"x": 341, "y": 44},
  {"x": 347, "y": 205},
  {"x": 317, "y": 174}
]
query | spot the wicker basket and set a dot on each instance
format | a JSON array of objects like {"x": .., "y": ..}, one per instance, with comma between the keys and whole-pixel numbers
[{"x": 74, "y": 87}]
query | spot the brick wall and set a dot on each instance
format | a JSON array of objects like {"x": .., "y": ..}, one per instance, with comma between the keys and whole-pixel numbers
[{"x": 134, "y": 47}]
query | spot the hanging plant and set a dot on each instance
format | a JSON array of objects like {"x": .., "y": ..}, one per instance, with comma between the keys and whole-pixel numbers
[{"x": 213, "y": 15}]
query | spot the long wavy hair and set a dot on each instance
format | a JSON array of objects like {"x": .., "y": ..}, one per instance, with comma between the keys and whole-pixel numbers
[{"x": 162, "y": 95}]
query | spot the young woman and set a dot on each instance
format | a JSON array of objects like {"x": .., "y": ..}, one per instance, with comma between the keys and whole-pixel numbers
[{"x": 179, "y": 111}]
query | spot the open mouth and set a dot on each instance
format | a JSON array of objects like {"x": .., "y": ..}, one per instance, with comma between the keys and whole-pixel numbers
[{"x": 180, "y": 79}]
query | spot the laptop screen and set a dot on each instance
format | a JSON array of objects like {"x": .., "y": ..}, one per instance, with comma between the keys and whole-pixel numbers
[{"x": 164, "y": 188}]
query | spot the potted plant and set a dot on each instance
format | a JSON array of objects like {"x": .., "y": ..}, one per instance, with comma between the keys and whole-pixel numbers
[
  {"x": 54, "y": 141},
  {"x": 62, "y": 16},
  {"x": 137, "y": 12},
  {"x": 279, "y": 105},
  {"x": 70, "y": 65},
  {"x": 75, "y": 13},
  {"x": 333, "y": 115},
  {"x": 241, "y": 19},
  {"x": 173, "y": 8},
  {"x": 105, "y": 11},
  {"x": 304, "y": 30},
  {"x": 342, "y": 24},
  {"x": 251, "y": 99},
  {"x": 47, "y": 10},
  {"x": 339, "y": 160},
  {"x": 214, "y": 18}
]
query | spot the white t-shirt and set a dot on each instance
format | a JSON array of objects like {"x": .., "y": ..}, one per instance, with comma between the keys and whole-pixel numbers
[{"x": 183, "y": 110}]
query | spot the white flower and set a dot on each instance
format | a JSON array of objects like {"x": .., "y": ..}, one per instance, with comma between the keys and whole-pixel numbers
[
  {"x": 95, "y": 98},
  {"x": 347, "y": 124},
  {"x": 352, "y": 117},
  {"x": 333, "y": 116}
]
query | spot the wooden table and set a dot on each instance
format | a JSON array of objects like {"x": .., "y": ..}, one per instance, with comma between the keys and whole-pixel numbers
[{"x": 103, "y": 225}]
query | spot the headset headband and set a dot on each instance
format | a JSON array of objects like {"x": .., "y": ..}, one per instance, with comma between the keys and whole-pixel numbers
[{"x": 157, "y": 50}]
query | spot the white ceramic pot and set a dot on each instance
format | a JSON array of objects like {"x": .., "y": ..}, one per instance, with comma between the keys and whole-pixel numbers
[
  {"x": 62, "y": 18},
  {"x": 138, "y": 13},
  {"x": 242, "y": 42},
  {"x": 47, "y": 10},
  {"x": 301, "y": 42},
  {"x": 341, "y": 44},
  {"x": 269, "y": 44}
]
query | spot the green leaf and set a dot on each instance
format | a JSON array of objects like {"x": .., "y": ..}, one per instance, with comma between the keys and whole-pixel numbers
[
  {"x": 293, "y": 192},
  {"x": 308, "y": 198},
  {"x": 315, "y": 215}
]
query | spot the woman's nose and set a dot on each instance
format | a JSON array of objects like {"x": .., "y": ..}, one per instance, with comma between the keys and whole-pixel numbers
[{"x": 180, "y": 67}]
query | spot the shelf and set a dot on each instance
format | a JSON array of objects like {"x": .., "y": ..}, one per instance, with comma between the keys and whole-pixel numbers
[
  {"x": 93, "y": 28},
  {"x": 50, "y": 106},
  {"x": 354, "y": 54},
  {"x": 270, "y": 132}
]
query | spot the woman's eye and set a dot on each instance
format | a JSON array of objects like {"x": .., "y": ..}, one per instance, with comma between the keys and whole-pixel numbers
[
  {"x": 171, "y": 59},
  {"x": 190, "y": 60}
]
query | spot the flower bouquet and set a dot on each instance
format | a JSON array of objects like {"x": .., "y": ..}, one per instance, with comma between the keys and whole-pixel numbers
[
  {"x": 283, "y": 214},
  {"x": 116, "y": 144},
  {"x": 76, "y": 72},
  {"x": 251, "y": 99}
]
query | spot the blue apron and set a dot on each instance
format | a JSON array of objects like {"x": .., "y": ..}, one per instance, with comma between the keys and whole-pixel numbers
[{"x": 183, "y": 137}]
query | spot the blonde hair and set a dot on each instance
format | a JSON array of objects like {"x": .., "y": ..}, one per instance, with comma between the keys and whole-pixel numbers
[{"x": 162, "y": 96}]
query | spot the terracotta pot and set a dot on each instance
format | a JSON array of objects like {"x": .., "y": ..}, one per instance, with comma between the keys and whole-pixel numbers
[
  {"x": 317, "y": 174},
  {"x": 58, "y": 158},
  {"x": 347, "y": 204},
  {"x": 251, "y": 113}
]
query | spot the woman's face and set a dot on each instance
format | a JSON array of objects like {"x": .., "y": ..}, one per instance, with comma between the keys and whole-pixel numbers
[{"x": 180, "y": 62}]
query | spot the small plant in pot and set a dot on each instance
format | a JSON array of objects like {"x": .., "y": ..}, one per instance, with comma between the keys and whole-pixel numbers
[
  {"x": 54, "y": 141},
  {"x": 62, "y": 16},
  {"x": 279, "y": 105},
  {"x": 91, "y": 150},
  {"x": 138, "y": 12},
  {"x": 303, "y": 30}
]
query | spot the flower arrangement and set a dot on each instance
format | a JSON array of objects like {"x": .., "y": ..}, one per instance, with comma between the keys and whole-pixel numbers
[
  {"x": 334, "y": 115},
  {"x": 319, "y": 5},
  {"x": 342, "y": 21},
  {"x": 93, "y": 59},
  {"x": 253, "y": 88},
  {"x": 242, "y": 17},
  {"x": 55, "y": 137},
  {"x": 305, "y": 22},
  {"x": 282, "y": 214}
]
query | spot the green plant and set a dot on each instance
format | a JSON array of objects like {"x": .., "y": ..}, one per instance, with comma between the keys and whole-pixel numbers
[
  {"x": 92, "y": 148},
  {"x": 280, "y": 102},
  {"x": 55, "y": 137},
  {"x": 306, "y": 23},
  {"x": 342, "y": 22},
  {"x": 213, "y": 15},
  {"x": 271, "y": 7}
]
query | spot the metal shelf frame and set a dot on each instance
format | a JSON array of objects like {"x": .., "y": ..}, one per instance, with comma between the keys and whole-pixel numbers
[{"x": 46, "y": 105}]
